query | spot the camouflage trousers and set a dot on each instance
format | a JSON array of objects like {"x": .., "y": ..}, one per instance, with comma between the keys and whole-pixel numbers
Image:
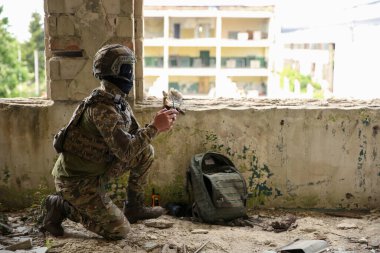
[{"x": 90, "y": 203}]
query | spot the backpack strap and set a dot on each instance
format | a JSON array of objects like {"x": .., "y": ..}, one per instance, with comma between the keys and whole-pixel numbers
[
  {"x": 189, "y": 186},
  {"x": 102, "y": 96}
]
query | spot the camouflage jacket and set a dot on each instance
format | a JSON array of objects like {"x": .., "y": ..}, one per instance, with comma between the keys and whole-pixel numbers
[{"x": 104, "y": 136}]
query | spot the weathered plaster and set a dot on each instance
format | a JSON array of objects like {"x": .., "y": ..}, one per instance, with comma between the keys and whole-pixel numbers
[
  {"x": 302, "y": 155},
  {"x": 291, "y": 156}
]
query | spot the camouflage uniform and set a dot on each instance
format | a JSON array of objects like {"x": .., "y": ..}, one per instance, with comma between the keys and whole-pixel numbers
[{"x": 81, "y": 172}]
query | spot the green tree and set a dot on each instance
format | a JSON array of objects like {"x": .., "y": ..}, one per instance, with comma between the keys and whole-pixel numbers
[
  {"x": 36, "y": 42},
  {"x": 293, "y": 75},
  {"x": 12, "y": 72}
]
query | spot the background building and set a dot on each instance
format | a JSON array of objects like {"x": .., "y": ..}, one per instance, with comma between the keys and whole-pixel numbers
[
  {"x": 214, "y": 50},
  {"x": 344, "y": 44}
]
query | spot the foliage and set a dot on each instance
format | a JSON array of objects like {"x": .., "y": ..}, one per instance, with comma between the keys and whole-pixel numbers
[
  {"x": 17, "y": 76},
  {"x": 12, "y": 71},
  {"x": 36, "y": 42},
  {"x": 293, "y": 75}
]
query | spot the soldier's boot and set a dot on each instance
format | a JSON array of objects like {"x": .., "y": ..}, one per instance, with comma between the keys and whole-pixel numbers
[
  {"x": 54, "y": 210},
  {"x": 135, "y": 210}
]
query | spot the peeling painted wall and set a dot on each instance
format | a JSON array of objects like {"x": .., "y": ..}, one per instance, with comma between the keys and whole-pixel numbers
[{"x": 291, "y": 157}]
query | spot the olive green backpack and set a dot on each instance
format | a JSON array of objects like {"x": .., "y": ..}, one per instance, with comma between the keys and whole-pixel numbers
[{"x": 217, "y": 190}]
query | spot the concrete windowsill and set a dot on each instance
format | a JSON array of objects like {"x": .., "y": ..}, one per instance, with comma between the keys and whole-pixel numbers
[
  {"x": 206, "y": 104},
  {"x": 241, "y": 104},
  {"x": 25, "y": 101}
]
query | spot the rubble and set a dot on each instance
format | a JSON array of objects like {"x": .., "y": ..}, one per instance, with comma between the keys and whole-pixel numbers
[
  {"x": 158, "y": 223},
  {"x": 169, "y": 234},
  {"x": 199, "y": 231}
]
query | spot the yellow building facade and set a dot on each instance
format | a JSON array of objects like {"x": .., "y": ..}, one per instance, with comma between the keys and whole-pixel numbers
[{"x": 208, "y": 51}]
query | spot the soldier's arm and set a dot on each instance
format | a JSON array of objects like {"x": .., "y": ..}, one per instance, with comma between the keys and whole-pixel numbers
[
  {"x": 162, "y": 121},
  {"x": 135, "y": 126},
  {"x": 111, "y": 126}
]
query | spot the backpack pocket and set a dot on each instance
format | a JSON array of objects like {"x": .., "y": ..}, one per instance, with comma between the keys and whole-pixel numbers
[{"x": 226, "y": 190}]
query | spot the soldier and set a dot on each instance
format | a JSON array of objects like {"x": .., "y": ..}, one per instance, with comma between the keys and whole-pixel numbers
[{"x": 104, "y": 141}]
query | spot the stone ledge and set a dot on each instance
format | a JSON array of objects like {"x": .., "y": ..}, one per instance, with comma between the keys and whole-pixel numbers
[
  {"x": 26, "y": 102},
  {"x": 264, "y": 103},
  {"x": 204, "y": 104}
]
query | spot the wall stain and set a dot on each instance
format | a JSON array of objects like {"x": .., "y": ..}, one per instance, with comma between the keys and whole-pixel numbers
[
  {"x": 366, "y": 121},
  {"x": 361, "y": 160},
  {"x": 342, "y": 126},
  {"x": 374, "y": 154},
  {"x": 309, "y": 201},
  {"x": 375, "y": 130},
  {"x": 257, "y": 182},
  {"x": 5, "y": 175}
]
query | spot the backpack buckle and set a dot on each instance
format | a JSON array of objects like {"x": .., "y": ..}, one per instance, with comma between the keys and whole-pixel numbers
[{"x": 116, "y": 99}]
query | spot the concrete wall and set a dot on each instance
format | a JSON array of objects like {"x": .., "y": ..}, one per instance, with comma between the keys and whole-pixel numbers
[
  {"x": 291, "y": 156},
  {"x": 26, "y": 155},
  {"x": 308, "y": 157}
]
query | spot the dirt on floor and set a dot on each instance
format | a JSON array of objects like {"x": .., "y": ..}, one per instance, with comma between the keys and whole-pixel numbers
[{"x": 263, "y": 231}]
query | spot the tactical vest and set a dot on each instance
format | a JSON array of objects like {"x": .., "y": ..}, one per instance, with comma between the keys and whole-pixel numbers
[{"x": 90, "y": 146}]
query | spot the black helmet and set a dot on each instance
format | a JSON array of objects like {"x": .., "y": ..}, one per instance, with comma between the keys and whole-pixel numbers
[{"x": 109, "y": 60}]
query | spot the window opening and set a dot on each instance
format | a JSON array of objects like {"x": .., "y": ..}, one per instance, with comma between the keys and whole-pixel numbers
[{"x": 22, "y": 61}]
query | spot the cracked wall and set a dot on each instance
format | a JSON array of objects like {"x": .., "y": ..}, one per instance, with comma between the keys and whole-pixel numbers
[{"x": 75, "y": 30}]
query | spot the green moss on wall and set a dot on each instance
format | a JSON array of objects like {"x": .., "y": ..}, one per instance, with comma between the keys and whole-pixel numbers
[
  {"x": 173, "y": 192},
  {"x": 11, "y": 199},
  {"x": 309, "y": 201},
  {"x": 5, "y": 175},
  {"x": 245, "y": 159},
  {"x": 365, "y": 118}
]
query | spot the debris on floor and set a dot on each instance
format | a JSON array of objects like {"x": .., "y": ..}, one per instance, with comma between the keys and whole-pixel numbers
[
  {"x": 158, "y": 223},
  {"x": 305, "y": 246},
  {"x": 262, "y": 231},
  {"x": 284, "y": 224}
]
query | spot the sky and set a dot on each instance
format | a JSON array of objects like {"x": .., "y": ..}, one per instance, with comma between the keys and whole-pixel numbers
[{"x": 19, "y": 13}]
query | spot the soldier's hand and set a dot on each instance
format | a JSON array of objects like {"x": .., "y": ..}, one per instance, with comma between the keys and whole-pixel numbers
[{"x": 165, "y": 119}]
